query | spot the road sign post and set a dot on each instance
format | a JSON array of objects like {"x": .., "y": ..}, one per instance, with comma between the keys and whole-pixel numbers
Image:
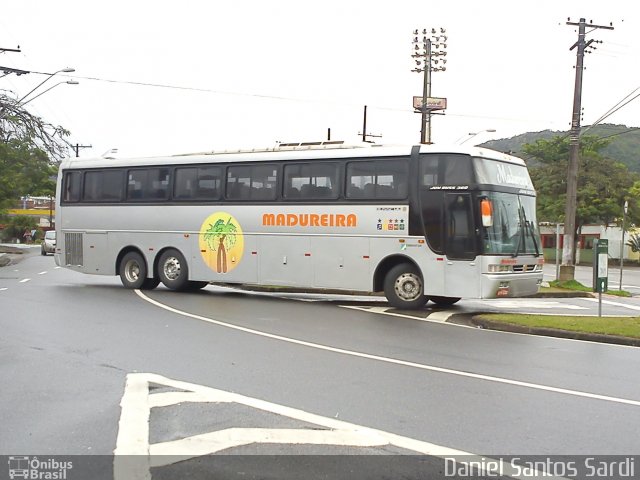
[{"x": 600, "y": 269}]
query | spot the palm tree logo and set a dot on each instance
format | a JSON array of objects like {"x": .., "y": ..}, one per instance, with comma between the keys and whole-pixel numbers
[{"x": 221, "y": 233}]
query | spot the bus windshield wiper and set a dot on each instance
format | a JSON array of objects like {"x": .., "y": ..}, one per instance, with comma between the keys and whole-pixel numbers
[
  {"x": 522, "y": 231},
  {"x": 528, "y": 226}
]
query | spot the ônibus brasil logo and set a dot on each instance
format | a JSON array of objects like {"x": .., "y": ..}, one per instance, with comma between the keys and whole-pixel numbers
[
  {"x": 221, "y": 242},
  {"x": 41, "y": 469}
]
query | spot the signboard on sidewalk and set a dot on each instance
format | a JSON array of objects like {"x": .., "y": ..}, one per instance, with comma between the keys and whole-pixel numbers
[{"x": 601, "y": 265}]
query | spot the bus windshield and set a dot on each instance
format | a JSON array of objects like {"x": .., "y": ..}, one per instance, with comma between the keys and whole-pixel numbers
[{"x": 509, "y": 225}]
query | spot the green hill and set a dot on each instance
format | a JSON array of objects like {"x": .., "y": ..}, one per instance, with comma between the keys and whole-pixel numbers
[{"x": 624, "y": 146}]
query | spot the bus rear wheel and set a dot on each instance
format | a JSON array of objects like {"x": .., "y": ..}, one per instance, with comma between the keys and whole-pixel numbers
[
  {"x": 173, "y": 270},
  {"x": 133, "y": 270},
  {"x": 193, "y": 285},
  {"x": 150, "y": 283},
  {"x": 444, "y": 301},
  {"x": 403, "y": 287}
]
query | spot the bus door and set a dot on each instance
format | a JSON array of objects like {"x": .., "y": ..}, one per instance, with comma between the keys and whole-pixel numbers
[{"x": 460, "y": 245}]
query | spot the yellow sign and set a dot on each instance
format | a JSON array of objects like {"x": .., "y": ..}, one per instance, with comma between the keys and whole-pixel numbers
[{"x": 221, "y": 242}]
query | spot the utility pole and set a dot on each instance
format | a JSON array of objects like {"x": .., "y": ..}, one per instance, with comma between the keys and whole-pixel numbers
[
  {"x": 77, "y": 148},
  {"x": 567, "y": 269},
  {"x": 425, "y": 66},
  {"x": 364, "y": 129},
  {"x": 15, "y": 50}
]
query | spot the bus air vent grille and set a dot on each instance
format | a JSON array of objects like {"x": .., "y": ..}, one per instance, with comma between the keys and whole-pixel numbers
[{"x": 73, "y": 249}]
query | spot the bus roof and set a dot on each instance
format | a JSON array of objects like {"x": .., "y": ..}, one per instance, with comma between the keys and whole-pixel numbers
[{"x": 302, "y": 151}]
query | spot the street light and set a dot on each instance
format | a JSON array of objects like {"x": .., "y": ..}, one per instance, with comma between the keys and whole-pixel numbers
[
  {"x": 473, "y": 134},
  {"x": 64, "y": 70},
  {"x": 68, "y": 82}
]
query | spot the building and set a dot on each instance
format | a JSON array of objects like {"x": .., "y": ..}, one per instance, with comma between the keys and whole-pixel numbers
[{"x": 585, "y": 239}]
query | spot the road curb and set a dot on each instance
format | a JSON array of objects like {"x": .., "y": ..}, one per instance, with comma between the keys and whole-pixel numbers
[
  {"x": 477, "y": 321},
  {"x": 10, "y": 255},
  {"x": 569, "y": 294}
]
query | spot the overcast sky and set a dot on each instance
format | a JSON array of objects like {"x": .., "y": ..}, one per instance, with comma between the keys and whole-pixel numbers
[{"x": 248, "y": 73}]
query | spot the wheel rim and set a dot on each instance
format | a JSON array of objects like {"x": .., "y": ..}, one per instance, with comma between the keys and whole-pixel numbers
[
  {"x": 171, "y": 268},
  {"x": 132, "y": 271},
  {"x": 408, "y": 287}
]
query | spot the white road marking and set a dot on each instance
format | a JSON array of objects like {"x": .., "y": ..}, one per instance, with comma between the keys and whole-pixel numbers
[
  {"x": 43, "y": 273},
  {"x": 609, "y": 302},
  {"x": 57, "y": 268},
  {"x": 137, "y": 402},
  {"x": 440, "y": 316},
  {"x": 435, "y": 317},
  {"x": 25, "y": 280},
  {"x": 519, "y": 304},
  {"x": 394, "y": 361},
  {"x": 3, "y": 289}
]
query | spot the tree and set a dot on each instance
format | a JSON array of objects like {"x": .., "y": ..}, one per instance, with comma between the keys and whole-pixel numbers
[
  {"x": 17, "y": 124},
  {"x": 15, "y": 227},
  {"x": 603, "y": 184},
  {"x": 29, "y": 152},
  {"x": 634, "y": 243},
  {"x": 24, "y": 170}
]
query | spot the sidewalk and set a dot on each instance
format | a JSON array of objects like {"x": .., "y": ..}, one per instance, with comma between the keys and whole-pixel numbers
[{"x": 12, "y": 253}]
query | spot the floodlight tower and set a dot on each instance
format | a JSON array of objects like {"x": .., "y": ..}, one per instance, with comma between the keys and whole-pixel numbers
[{"x": 427, "y": 52}]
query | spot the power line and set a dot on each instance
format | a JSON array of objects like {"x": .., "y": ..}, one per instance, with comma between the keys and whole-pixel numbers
[{"x": 613, "y": 110}]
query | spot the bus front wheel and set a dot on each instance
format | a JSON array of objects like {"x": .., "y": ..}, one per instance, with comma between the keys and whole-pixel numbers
[
  {"x": 173, "y": 271},
  {"x": 403, "y": 287},
  {"x": 133, "y": 270}
]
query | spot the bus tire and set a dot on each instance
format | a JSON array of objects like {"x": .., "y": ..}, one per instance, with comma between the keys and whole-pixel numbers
[
  {"x": 133, "y": 270},
  {"x": 404, "y": 287},
  {"x": 150, "y": 283},
  {"x": 173, "y": 270},
  {"x": 444, "y": 301},
  {"x": 194, "y": 285}
]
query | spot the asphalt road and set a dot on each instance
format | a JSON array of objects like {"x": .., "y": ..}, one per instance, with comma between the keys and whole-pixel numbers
[{"x": 88, "y": 367}]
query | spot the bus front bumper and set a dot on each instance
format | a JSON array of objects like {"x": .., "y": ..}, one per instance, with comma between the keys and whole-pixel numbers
[{"x": 510, "y": 285}]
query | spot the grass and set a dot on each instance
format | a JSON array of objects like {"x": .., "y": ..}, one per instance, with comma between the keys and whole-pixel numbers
[
  {"x": 577, "y": 286},
  {"x": 622, "y": 326}
]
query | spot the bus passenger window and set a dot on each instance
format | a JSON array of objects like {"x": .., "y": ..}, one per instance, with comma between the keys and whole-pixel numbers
[
  {"x": 251, "y": 182},
  {"x": 443, "y": 169},
  {"x": 311, "y": 181},
  {"x": 197, "y": 183},
  {"x": 378, "y": 179},
  {"x": 103, "y": 186},
  {"x": 71, "y": 186},
  {"x": 148, "y": 184}
]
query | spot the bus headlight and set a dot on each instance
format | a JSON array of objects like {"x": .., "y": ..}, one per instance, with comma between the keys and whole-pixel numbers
[{"x": 500, "y": 268}]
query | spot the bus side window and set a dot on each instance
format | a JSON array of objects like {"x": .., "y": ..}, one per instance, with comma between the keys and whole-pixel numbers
[
  {"x": 185, "y": 179},
  {"x": 377, "y": 179},
  {"x": 72, "y": 183},
  {"x": 310, "y": 181},
  {"x": 103, "y": 185},
  {"x": 460, "y": 233},
  {"x": 208, "y": 183}
]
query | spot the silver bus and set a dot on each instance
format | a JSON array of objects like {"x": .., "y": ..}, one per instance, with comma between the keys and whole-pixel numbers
[{"x": 418, "y": 223}]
